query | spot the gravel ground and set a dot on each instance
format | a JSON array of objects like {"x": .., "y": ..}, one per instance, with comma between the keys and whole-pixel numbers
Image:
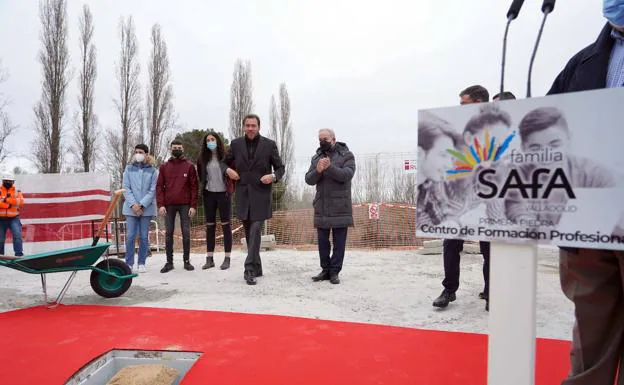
[{"x": 381, "y": 287}]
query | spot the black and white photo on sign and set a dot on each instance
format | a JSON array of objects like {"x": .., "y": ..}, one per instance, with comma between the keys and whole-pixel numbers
[{"x": 542, "y": 170}]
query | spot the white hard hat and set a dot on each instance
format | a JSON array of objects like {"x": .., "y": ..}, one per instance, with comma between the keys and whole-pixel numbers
[{"x": 8, "y": 176}]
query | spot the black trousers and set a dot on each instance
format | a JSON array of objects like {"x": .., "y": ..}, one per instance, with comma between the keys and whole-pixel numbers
[
  {"x": 221, "y": 201},
  {"x": 185, "y": 223},
  {"x": 333, "y": 264},
  {"x": 452, "y": 248},
  {"x": 253, "y": 236}
]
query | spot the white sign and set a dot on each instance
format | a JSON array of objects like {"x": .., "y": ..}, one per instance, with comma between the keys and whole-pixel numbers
[
  {"x": 409, "y": 166},
  {"x": 534, "y": 171},
  {"x": 373, "y": 211}
]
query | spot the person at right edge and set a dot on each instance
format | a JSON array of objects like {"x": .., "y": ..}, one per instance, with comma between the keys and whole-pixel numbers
[
  {"x": 257, "y": 165},
  {"x": 331, "y": 171},
  {"x": 594, "y": 279}
]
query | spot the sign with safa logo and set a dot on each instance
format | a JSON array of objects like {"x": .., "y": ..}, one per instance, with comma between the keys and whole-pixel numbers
[{"x": 544, "y": 170}]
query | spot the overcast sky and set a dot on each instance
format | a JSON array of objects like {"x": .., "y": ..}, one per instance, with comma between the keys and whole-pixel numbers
[{"x": 363, "y": 68}]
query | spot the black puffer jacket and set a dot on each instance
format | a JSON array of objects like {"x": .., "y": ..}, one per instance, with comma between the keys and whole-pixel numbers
[{"x": 332, "y": 202}]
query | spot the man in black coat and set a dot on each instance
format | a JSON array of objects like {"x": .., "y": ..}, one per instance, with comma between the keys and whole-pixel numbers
[
  {"x": 594, "y": 279},
  {"x": 331, "y": 171},
  {"x": 257, "y": 166}
]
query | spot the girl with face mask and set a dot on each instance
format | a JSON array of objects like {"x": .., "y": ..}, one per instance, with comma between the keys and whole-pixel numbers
[
  {"x": 139, "y": 183},
  {"x": 216, "y": 196}
]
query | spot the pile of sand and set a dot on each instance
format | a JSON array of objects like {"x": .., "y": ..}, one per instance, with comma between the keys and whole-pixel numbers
[{"x": 145, "y": 375}]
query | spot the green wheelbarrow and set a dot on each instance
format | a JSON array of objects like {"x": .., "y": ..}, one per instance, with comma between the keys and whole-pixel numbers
[{"x": 110, "y": 278}]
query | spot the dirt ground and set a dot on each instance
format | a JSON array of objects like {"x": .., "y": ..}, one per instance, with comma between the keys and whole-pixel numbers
[{"x": 390, "y": 287}]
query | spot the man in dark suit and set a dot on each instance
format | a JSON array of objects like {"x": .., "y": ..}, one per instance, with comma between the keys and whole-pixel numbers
[
  {"x": 257, "y": 166},
  {"x": 594, "y": 279},
  {"x": 452, "y": 248}
]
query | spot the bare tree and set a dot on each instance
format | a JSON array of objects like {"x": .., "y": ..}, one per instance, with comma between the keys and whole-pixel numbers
[
  {"x": 273, "y": 119},
  {"x": 41, "y": 149},
  {"x": 85, "y": 136},
  {"x": 141, "y": 136},
  {"x": 369, "y": 182},
  {"x": 241, "y": 97},
  {"x": 286, "y": 142},
  {"x": 4, "y": 75},
  {"x": 6, "y": 126},
  {"x": 129, "y": 100},
  {"x": 116, "y": 154},
  {"x": 160, "y": 114},
  {"x": 281, "y": 131},
  {"x": 17, "y": 170},
  {"x": 403, "y": 187},
  {"x": 50, "y": 111}
]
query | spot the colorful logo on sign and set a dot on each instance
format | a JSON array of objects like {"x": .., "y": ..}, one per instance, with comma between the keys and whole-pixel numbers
[{"x": 477, "y": 153}]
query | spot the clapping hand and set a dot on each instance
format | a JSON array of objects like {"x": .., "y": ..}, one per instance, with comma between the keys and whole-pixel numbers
[{"x": 323, "y": 164}]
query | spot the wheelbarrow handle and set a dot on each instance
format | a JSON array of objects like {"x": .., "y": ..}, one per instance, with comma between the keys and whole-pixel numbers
[
  {"x": 109, "y": 211},
  {"x": 8, "y": 258}
]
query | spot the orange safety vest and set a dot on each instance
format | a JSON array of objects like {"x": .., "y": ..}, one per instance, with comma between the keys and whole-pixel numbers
[{"x": 11, "y": 202}]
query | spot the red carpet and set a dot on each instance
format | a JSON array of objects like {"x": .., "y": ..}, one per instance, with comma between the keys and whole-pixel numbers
[{"x": 40, "y": 346}]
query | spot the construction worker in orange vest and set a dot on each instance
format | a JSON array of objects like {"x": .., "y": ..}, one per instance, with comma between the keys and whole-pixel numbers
[{"x": 11, "y": 202}]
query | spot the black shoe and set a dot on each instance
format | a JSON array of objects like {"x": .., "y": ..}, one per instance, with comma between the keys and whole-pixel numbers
[
  {"x": 167, "y": 268},
  {"x": 250, "y": 279},
  {"x": 322, "y": 276},
  {"x": 444, "y": 299},
  {"x": 188, "y": 266},
  {"x": 334, "y": 279},
  {"x": 209, "y": 263},
  {"x": 226, "y": 264}
]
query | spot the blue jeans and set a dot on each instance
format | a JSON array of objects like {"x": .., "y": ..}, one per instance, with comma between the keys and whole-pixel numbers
[
  {"x": 15, "y": 226},
  {"x": 137, "y": 226}
]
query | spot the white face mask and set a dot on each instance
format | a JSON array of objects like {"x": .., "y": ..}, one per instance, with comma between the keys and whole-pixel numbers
[{"x": 139, "y": 157}]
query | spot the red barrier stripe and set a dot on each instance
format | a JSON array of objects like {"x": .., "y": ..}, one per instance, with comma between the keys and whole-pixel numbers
[
  {"x": 56, "y": 232},
  {"x": 65, "y": 194},
  {"x": 62, "y": 210}
]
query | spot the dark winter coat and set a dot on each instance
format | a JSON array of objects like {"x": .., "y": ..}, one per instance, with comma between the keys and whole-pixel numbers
[
  {"x": 177, "y": 183},
  {"x": 253, "y": 198},
  {"x": 332, "y": 202},
  {"x": 587, "y": 70}
]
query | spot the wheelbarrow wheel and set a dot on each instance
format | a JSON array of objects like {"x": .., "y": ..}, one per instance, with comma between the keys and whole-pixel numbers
[{"x": 109, "y": 286}]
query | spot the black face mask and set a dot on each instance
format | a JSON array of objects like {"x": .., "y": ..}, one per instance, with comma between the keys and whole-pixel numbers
[
  {"x": 7, "y": 185},
  {"x": 177, "y": 153},
  {"x": 325, "y": 145}
]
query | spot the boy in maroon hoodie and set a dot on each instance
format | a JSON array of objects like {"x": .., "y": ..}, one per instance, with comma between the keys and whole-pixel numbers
[{"x": 176, "y": 192}]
